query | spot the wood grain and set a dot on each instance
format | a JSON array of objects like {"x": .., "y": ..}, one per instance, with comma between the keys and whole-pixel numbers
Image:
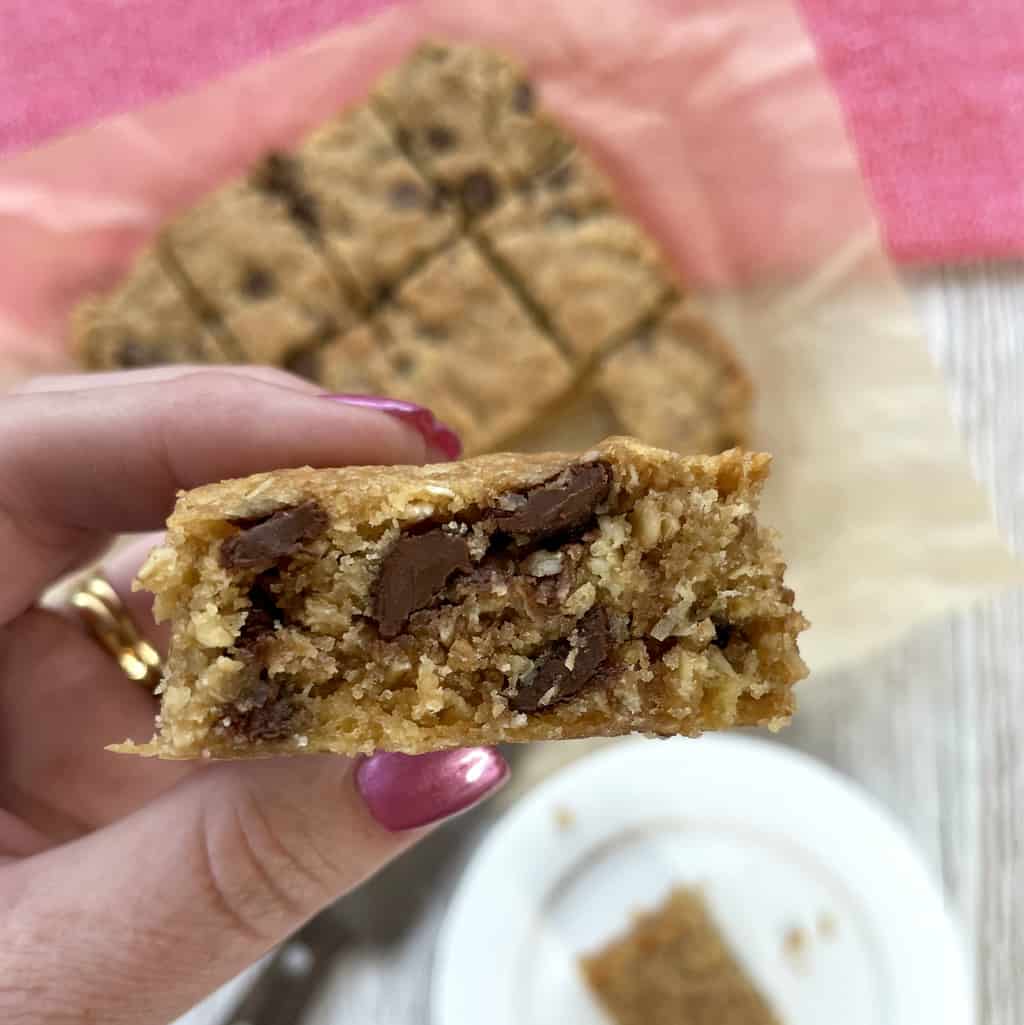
[{"x": 933, "y": 727}]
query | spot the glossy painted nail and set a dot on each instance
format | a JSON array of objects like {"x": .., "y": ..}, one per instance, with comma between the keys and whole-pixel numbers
[
  {"x": 407, "y": 791},
  {"x": 436, "y": 434}
]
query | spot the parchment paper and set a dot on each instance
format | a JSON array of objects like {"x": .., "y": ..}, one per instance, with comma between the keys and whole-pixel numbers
[{"x": 720, "y": 129}]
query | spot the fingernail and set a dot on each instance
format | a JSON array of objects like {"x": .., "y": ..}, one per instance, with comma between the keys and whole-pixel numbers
[
  {"x": 407, "y": 791},
  {"x": 436, "y": 434}
]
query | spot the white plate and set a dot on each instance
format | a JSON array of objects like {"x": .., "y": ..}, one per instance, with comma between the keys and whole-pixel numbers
[{"x": 818, "y": 892}]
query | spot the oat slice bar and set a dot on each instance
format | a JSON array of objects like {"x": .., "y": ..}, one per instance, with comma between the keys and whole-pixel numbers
[
  {"x": 677, "y": 383},
  {"x": 251, "y": 262},
  {"x": 505, "y": 598},
  {"x": 591, "y": 270},
  {"x": 145, "y": 321},
  {"x": 375, "y": 213},
  {"x": 673, "y": 967},
  {"x": 469, "y": 119},
  {"x": 455, "y": 339}
]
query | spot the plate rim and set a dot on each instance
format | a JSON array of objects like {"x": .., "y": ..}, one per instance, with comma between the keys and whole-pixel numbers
[{"x": 960, "y": 983}]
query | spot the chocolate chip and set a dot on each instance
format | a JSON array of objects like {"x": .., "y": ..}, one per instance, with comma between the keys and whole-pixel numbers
[
  {"x": 303, "y": 210},
  {"x": 257, "y": 282},
  {"x": 261, "y": 619},
  {"x": 440, "y": 138},
  {"x": 403, "y": 364},
  {"x": 407, "y": 195},
  {"x": 553, "y": 680},
  {"x": 523, "y": 98},
  {"x": 560, "y": 177},
  {"x": 262, "y": 712},
  {"x": 563, "y": 216},
  {"x": 413, "y": 573},
  {"x": 133, "y": 353},
  {"x": 433, "y": 332},
  {"x": 723, "y": 633},
  {"x": 479, "y": 192},
  {"x": 279, "y": 173},
  {"x": 258, "y": 625},
  {"x": 304, "y": 362},
  {"x": 568, "y": 502},
  {"x": 273, "y": 537},
  {"x": 403, "y": 139}
]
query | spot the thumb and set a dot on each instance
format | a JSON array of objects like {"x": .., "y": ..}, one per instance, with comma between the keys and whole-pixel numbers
[{"x": 138, "y": 921}]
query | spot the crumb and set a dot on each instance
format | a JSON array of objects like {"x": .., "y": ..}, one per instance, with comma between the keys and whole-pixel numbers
[
  {"x": 794, "y": 943},
  {"x": 565, "y": 818},
  {"x": 828, "y": 926}
]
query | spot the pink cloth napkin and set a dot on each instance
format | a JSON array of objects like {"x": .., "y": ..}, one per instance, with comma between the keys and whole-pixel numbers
[{"x": 933, "y": 89}]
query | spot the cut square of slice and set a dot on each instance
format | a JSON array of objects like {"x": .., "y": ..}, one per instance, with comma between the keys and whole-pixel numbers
[
  {"x": 674, "y": 967},
  {"x": 469, "y": 118},
  {"x": 677, "y": 382},
  {"x": 147, "y": 320},
  {"x": 591, "y": 270},
  {"x": 456, "y": 339},
  {"x": 252, "y": 264},
  {"x": 505, "y": 598},
  {"x": 376, "y": 214}
]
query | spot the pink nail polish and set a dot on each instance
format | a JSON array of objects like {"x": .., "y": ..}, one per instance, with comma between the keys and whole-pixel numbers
[
  {"x": 406, "y": 791},
  {"x": 438, "y": 435}
]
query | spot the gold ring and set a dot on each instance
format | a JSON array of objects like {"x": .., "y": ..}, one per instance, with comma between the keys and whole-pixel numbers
[{"x": 107, "y": 620}]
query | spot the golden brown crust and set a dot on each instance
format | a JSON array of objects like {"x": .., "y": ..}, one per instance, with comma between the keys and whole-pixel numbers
[{"x": 623, "y": 589}]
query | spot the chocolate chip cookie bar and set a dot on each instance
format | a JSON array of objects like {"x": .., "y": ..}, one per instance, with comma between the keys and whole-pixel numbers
[
  {"x": 146, "y": 321},
  {"x": 590, "y": 269},
  {"x": 676, "y": 378},
  {"x": 245, "y": 255},
  {"x": 444, "y": 242},
  {"x": 375, "y": 213},
  {"x": 438, "y": 337},
  {"x": 504, "y": 598},
  {"x": 470, "y": 119},
  {"x": 674, "y": 967}
]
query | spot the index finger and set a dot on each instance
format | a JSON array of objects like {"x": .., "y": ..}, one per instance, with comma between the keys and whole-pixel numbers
[{"x": 77, "y": 466}]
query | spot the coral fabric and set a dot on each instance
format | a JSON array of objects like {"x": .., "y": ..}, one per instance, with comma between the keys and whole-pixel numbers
[{"x": 933, "y": 91}]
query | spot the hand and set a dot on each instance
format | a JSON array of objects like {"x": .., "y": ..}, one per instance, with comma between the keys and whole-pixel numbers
[{"x": 131, "y": 888}]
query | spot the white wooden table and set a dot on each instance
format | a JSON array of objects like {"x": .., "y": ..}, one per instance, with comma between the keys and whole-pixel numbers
[{"x": 934, "y": 727}]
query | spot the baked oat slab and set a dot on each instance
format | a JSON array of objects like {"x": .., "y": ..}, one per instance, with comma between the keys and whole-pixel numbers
[
  {"x": 674, "y": 967},
  {"x": 505, "y": 598}
]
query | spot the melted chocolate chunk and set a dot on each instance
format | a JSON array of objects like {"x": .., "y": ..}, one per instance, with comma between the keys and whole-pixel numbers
[
  {"x": 257, "y": 282},
  {"x": 523, "y": 98},
  {"x": 407, "y": 195},
  {"x": 553, "y": 681},
  {"x": 273, "y": 537},
  {"x": 723, "y": 633},
  {"x": 412, "y": 574},
  {"x": 568, "y": 502},
  {"x": 479, "y": 192},
  {"x": 261, "y": 619},
  {"x": 440, "y": 138},
  {"x": 262, "y": 712}
]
